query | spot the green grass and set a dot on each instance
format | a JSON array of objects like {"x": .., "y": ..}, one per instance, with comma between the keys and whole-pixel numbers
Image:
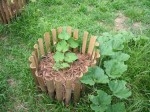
[{"x": 17, "y": 89}]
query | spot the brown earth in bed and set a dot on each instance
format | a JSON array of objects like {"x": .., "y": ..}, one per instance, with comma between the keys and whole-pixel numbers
[{"x": 75, "y": 70}]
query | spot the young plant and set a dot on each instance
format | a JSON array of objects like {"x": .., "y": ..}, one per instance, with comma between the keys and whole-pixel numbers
[
  {"x": 63, "y": 56},
  {"x": 109, "y": 72}
]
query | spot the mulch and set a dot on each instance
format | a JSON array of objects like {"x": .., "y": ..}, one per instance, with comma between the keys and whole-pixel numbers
[{"x": 75, "y": 70}]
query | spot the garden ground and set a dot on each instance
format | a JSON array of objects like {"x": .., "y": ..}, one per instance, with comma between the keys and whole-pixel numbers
[{"x": 17, "y": 89}]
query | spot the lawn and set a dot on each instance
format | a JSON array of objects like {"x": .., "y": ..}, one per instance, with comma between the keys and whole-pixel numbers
[{"x": 17, "y": 88}]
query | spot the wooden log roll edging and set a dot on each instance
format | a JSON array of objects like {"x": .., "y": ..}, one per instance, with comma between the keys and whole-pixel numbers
[
  {"x": 61, "y": 89},
  {"x": 9, "y": 9}
]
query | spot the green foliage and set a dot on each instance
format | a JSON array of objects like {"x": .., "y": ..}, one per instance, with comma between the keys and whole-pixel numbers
[
  {"x": 95, "y": 75},
  {"x": 113, "y": 67},
  {"x": 118, "y": 107},
  {"x": 63, "y": 56},
  {"x": 119, "y": 89},
  {"x": 100, "y": 102}
]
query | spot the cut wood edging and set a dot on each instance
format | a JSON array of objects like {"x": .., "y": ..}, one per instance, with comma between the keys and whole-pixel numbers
[
  {"x": 9, "y": 9},
  {"x": 69, "y": 89}
]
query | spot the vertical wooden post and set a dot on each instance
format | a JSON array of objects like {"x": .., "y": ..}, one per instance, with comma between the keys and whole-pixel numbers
[
  {"x": 76, "y": 36},
  {"x": 54, "y": 36},
  {"x": 41, "y": 82},
  {"x": 77, "y": 89},
  {"x": 33, "y": 69},
  {"x": 59, "y": 30},
  {"x": 50, "y": 87},
  {"x": 47, "y": 42},
  {"x": 85, "y": 36},
  {"x": 68, "y": 91},
  {"x": 91, "y": 45},
  {"x": 41, "y": 46},
  {"x": 59, "y": 89},
  {"x": 36, "y": 49},
  {"x": 69, "y": 30}
]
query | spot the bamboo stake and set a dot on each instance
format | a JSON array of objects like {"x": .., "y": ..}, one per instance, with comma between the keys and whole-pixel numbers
[
  {"x": 50, "y": 87},
  {"x": 59, "y": 89},
  {"x": 5, "y": 12},
  {"x": 54, "y": 36},
  {"x": 77, "y": 89},
  {"x": 91, "y": 45},
  {"x": 47, "y": 41},
  {"x": 69, "y": 30},
  {"x": 35, "y": 59},
  {"x": 85, "y": 36},
  {"x": 75, "y": 36},
  {"x": 33, "y": 69},
  {"x": 41, "y": 82},
  {"x": 36, "y": 49},
  {"x": 68, "y": 91},
  {"x": 59, "y": 30},
  {"x": 41, "y": 47},
  {"x": 2, "y": 13}
]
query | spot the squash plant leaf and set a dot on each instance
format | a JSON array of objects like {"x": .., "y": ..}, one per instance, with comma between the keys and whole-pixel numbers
[
  {"x": 114, "y": 68},
  {"x": 88, "y": 77},
  {"x": 64, "y": 35},
  {"x": 58, "y": 56},
  {"x": 100, "y": 102},
  {"x": 117, "y": 43},
  {"x": 64, "y": 65},
  {"x": 70, "y": 57},
  {"x": 62, "y": 46},
  {"x": 118, "y": 107},
  {"x": 95, "y": 75},
  {"x": 119, "y": 89},
  {"x": 99, "y": 76},
  {"x": 73, "y": 43},
  {"x": 119, "y": 56}
]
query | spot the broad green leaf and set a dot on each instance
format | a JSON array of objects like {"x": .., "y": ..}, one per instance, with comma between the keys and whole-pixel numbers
[
  {"x": 70, "y": 57},
  {"x": 73, "y": 43},
  {"x": 64, "y": 65},
  {"x": 58, "y": 56},
  {"x": 64, "y": 35},
  {"x": 57, "y": 66},
  {"x": 99, "y": 76},
  {"x": 117, "y": 43},
  {"x": 119, "y": 56},
  {"x": 119, "y": 89},
  {"x": 106, "y": 48},
  {"x": 88, "y": 77},
  {"x": 62, "y": 46},
  {"x": 95, "y": 75},
  {"x": 118, "y": 107},
  {"x": 100, "y": 102},
  {"x": 114, "y": 68}
]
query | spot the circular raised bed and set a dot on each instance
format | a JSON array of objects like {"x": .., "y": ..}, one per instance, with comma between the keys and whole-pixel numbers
[{"x": 64, "y": 84}]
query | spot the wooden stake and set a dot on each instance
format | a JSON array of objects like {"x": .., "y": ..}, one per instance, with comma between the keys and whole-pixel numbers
[
  {"x": 33, "y": 69},
  {"x": 47, "y": 41},
  {"x": 75, "y": 36},
  {"x": 41, "y": 82},
  {"x": 35, "y": 59},
  {"x": 59, "y": 89},
  {"x": 36, "y": 49},
  {"x": 91, "y": 45},
  {"x": 41, "y": 47},
  {"x": 54, "y": 36},
  {"x": 59, "y": 29},
  {"x": 69, "y": 30},
  {"x": 50, "y": 87},
  {"x": 68, "y": 91},
  {"x": 85, "y": 36},
  {"x": 77, "y": 89}
]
